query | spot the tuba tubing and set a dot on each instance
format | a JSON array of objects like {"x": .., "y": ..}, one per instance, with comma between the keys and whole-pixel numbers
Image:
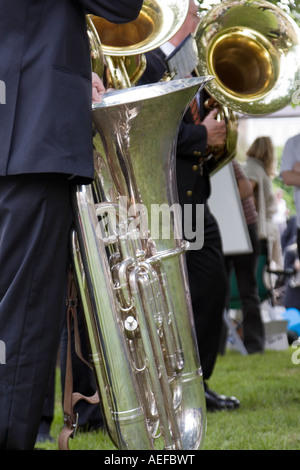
[{"x": 145, "y": 360}]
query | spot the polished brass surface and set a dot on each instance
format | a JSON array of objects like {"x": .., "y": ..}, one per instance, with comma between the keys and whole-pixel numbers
[
  {"x": 253, "y": 49},
  {"x": 157, "y": 22},
  {"x": 133, "y": 283},
  {"x": 97, "y": 58},
  {"x": 124, "y": 45}
]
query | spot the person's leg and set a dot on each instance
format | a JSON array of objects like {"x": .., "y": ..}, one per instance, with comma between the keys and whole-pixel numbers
[
  {"x": 208, "y": 286},
  {"x": 245, "y": 268},
  {"x": 34, "y": 221},
  {"x": 298, "y": 242}
]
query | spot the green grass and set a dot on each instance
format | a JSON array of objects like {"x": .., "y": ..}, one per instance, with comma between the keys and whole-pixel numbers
[{"x": 268, "y": 386}]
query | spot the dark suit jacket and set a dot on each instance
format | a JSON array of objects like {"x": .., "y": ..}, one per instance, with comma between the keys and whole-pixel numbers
[
  {"x": 193, "y": 185},
  {"x": 45, "y": 125}
]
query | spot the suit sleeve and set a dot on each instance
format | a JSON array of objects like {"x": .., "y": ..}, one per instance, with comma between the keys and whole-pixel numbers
[
  {"x": 155, "y": 68},
  {"x": 192, "y": 139},
  {"x": 116, "y": 11}
]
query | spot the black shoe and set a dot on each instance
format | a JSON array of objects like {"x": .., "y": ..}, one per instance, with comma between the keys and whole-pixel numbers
[{"x": 216, "y": 402}]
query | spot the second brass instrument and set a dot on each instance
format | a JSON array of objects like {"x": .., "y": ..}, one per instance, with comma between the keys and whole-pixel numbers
[
  {"x": 252, "y": 48},
  {"x": 124, "y": 45}
]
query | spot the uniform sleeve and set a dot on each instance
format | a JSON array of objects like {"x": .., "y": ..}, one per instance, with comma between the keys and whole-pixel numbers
[
  {"x": 116, "y": 11},
  {"x": 192, "y": 139}
]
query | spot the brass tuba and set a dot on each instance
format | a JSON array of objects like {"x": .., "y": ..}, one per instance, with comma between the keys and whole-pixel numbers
[
  {"x": 132, "y": 282},
  {"x": 133, "y": 286},
  {"x": 252, "y": 48},
  {"x": 124, "y": 45}
]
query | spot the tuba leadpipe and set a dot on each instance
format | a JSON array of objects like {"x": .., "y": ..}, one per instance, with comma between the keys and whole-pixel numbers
[{"x": 134, "y": 288}]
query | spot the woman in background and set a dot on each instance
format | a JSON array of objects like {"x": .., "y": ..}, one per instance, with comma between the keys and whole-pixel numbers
[{"x": 260, "y": 169}]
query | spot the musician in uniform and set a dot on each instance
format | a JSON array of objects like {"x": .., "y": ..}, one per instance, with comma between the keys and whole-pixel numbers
[
  {"x": 206, "y": 268},
  {"x": 46, "y": 147}
]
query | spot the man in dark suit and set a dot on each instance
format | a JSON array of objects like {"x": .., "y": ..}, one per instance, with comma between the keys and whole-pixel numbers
[
  {"x": 46, "y": 146},
  {"x": 206, "y": 268}
]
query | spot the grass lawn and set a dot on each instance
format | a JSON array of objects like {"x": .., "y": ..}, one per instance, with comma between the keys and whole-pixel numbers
[{"x": 268, "y": 386}]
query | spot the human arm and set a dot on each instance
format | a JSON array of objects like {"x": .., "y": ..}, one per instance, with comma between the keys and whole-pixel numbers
[
  {"x": 245, "y": 188},
  {"x": 117, "y": 11},
  {"x": 216, "y": 130},
  {"x": 98, "y": 89},
  {"x": 194, "y": 138},
  {"x": 244, "y": 185},
  {"x": 290, "y": 167},
  {"x": 292, "y": 177}
]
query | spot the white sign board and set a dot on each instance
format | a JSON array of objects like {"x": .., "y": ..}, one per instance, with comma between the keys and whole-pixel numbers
[{"x": 226, "y": 206}]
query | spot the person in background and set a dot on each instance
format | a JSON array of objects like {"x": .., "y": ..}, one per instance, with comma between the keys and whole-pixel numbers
[
  {"x": 46, "y": 148},
  {"x": 260, "y": 169},
  {"x": 290, "y": 174},
  {"x": 245, "y": 267},
  {"x": 281, "y": 215},
  {"x": 206, "y": 266},
  {"x": 289, "y": 236}
]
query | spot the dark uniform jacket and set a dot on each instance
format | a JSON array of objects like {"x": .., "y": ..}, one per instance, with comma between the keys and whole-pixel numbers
[{"x": 45, "y": 66}]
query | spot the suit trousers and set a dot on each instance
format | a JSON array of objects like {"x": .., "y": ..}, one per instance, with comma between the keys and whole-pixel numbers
[
  {"x": 208, "y": 286},
  {"x": 245, "y": 266},
  {"x": 34, "y": 230}
]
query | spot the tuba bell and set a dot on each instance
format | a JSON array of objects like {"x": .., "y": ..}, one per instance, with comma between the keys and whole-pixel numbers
[
  {"x": 124, "y": 45},
  {"x": 133, "y": 287},
  {"x": 252, "y": 48}
]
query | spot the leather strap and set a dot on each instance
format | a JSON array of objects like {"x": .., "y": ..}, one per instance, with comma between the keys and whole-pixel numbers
[{"x": 70, "y": 397}]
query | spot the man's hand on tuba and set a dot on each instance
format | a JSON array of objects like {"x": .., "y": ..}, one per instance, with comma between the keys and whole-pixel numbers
[
  {"x": 98, "y": 88},
  {"x": 216, "y": 130}
]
